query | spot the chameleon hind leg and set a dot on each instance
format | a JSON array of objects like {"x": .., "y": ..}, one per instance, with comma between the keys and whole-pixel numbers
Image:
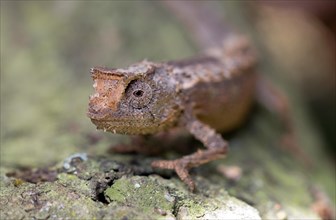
[{"x": 216, "y": 147}]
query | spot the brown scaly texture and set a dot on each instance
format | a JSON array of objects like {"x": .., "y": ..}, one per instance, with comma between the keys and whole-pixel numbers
[{"x": 210, "y": 93}]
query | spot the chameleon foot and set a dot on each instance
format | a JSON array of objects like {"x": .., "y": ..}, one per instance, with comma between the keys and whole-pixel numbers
[{"x": 180, "y": 167}]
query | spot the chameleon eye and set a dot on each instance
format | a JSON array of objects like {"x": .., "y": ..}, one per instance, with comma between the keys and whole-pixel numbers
[{"x": 140, "y": 94}]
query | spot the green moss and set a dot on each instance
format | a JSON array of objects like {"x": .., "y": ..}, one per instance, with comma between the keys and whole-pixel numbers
[
  {"x": 141, "y": 192},
  {"x": 218, "y": 205},
  {"x": 72, "y": 182}
]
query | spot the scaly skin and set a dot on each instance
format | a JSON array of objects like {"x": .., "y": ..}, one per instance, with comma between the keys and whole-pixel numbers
[{"x": 205, "y": 95}]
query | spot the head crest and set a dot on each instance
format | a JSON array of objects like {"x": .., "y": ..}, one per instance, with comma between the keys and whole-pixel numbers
[{"x": 128, "y": 74}]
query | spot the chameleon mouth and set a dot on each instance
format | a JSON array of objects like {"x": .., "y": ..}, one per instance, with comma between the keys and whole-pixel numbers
[
  {"x": 123, "y": 126},
  {"x": 97, "y": 115},
  {"x": 93, "y": 116}
]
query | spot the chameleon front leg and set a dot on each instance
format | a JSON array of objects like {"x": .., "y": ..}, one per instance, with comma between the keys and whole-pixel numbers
[{"x": 216, "y": 148}]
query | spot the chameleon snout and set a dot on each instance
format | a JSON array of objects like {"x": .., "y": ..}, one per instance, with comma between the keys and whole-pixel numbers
[{"x": 98, "y": 112}]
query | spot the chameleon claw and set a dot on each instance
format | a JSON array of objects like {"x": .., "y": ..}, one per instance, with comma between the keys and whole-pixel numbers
[{"x": 180, "y": 168}]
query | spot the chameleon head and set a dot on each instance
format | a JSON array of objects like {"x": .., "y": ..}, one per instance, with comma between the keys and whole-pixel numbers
[{"x": 134, "y": 100}]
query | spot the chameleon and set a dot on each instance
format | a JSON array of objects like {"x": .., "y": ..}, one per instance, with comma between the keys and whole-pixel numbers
[{"x": 206, "y": 95}]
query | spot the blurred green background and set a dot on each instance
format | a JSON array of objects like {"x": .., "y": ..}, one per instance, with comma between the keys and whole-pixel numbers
[{"x": 47, "y": 49}]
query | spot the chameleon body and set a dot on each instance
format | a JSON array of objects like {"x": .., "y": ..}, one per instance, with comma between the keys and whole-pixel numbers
[{"x": 208, "y": 94}]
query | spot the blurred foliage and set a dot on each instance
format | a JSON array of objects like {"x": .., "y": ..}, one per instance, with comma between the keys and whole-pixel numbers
[
  {"x": 303, "y": 47},
  {"x": 47, "y": 49}
]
